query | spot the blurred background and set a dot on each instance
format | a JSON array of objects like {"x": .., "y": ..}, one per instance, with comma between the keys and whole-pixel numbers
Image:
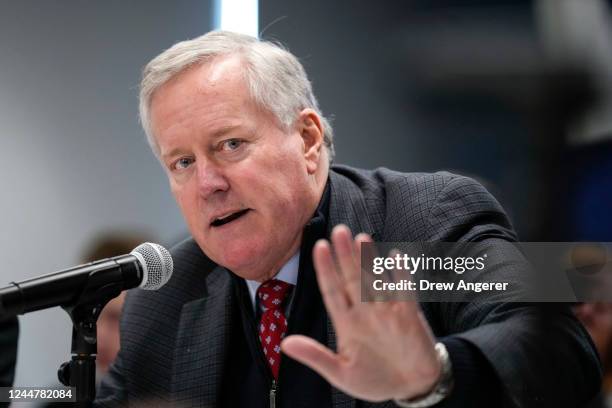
[{"x": 514, "y": 93}]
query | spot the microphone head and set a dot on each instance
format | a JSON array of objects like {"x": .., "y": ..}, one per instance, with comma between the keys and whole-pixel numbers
[{"x": 156, "y": 264}]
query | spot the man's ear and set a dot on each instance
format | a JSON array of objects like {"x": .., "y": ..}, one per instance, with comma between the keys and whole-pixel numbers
[{"x": 311, "y": 131}]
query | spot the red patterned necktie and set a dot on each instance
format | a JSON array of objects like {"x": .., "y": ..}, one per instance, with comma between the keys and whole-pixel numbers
[{"x": 273, "y": 325}]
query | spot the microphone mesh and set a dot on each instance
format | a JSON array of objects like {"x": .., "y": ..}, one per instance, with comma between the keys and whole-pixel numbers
[{"x": 157, "y": 266}]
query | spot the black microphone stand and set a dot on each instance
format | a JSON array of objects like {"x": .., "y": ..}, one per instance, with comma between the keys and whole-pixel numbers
[{"x": 80, "y": 371}]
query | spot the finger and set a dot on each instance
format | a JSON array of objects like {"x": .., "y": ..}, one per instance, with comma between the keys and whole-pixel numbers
[
  {"x": 403, "y": 304},
  {"x": 385, "y": 298},
  {"x": 314, "y": 355},
  {"x": 406, "y": 308},
  {"x": 360, "y": 239},
  {"x": 347, "y": 260},
  {"x": 365, "y": 257},
  {"x": 329, "y": 281},
  {"x": 398, "y": 275},
  {"x": 368, "y": 254}
]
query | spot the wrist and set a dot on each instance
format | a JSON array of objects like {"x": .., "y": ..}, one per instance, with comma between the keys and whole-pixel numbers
[
  {"x": 439, "y": 390},
  {"x": 427, "y": 381}
]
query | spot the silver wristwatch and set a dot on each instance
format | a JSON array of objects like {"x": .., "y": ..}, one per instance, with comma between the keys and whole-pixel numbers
[{"x": 442, "y": 388}]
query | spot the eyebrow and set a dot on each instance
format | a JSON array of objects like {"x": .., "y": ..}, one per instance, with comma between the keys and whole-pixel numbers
[
  {"x": 224, "y": 130},
  {"x": 216, "y": 134}
]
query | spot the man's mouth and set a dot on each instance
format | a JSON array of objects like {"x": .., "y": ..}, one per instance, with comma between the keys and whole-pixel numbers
[{"x": 228, "y": 218}]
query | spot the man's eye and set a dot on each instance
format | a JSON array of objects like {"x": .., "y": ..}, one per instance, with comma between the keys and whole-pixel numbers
[
  {"x": 231, "y": 144},
  {"x": 183, "y": 163}
]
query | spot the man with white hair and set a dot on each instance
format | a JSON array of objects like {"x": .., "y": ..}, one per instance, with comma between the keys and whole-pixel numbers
[{"x": 258, "y": 312}]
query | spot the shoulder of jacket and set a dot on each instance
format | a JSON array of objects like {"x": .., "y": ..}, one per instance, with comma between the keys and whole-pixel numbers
[{"x": 383, "y": 181}]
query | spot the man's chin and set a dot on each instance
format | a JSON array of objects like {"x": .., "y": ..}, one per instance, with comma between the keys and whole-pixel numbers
[
  {"x": 247, "y": 272},
  {"x": 242, "y": 261},
  {"x": 252, "y": 259}
]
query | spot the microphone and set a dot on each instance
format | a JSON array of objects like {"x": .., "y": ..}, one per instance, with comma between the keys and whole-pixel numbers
[{"x": 149, "y": 266}]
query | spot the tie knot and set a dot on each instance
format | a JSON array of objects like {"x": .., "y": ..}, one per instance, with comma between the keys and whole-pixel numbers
[{"x": 272, "y": 293}]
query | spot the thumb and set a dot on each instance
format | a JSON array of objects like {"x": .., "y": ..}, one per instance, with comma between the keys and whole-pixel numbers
[{"x": 314, "y": 355}]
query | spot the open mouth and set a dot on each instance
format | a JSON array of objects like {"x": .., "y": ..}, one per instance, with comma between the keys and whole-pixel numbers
[{"x": 229, "y": 218}]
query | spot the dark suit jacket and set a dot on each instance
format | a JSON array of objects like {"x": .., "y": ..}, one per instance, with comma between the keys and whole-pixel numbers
[{"x": 173, "y": 341}]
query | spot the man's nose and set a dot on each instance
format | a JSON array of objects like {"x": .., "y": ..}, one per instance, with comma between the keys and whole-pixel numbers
[{"x": 211, "y": 179}]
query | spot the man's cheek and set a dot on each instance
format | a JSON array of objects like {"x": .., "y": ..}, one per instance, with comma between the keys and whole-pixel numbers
[{"x": 179, "y": 195}]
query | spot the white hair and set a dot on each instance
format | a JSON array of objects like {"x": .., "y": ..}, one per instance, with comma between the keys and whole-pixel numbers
[{"x": 275, "y": 78}]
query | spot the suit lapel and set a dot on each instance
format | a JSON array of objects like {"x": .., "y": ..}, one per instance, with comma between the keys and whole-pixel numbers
[
  {"x": 339, "y": 399},
  {"x": 347, "y": 206},
  {"x": 201, "y": 344}
]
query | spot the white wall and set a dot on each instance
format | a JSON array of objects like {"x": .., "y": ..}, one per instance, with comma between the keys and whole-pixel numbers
[{"x": 73, "y": 160}]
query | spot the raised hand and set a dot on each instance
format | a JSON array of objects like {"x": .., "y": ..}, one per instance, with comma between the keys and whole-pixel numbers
[{"x": 385, "y": 349}]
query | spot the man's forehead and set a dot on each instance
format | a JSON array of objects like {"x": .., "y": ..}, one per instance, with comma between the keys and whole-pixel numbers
[
  {"x": 214, "y": 75},
  {"x": 223, "y": 69},
  {"x": 217, "y": 86}
]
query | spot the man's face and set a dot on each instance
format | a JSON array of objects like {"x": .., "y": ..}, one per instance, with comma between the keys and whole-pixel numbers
[{"x": 245, "y": 187}]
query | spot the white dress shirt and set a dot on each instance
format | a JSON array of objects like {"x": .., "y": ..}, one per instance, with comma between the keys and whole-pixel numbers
[{"x": 288, "y": 273}]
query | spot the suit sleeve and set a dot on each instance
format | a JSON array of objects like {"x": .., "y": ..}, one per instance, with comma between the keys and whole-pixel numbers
[
  {"x": 112, "y": 392},
  {"x": 539, "y": 354},
  {"x": 113, "y": 389}
]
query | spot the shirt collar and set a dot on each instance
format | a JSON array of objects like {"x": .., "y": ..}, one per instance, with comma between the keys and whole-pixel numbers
[{"x": 288, "y": 273}]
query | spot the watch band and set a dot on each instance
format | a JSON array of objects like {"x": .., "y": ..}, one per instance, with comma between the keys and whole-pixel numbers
[{"x": 442, "y": 388}]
